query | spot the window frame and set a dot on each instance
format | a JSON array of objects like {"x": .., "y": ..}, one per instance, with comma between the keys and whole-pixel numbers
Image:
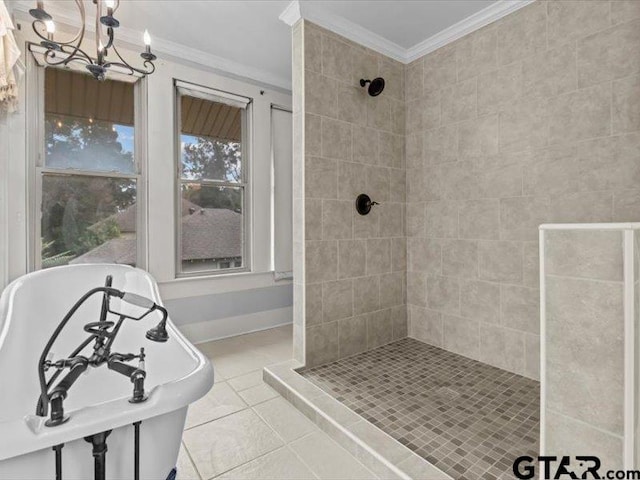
[
  {"x": 180, "y": 88},
  {"x": 38, "y": 169}
]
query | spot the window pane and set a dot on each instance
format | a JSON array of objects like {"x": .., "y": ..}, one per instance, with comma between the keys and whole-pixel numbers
[
  {"x": 88, "y": 220},
  {"x": 211, "y": 227},
  {"x": 88, "y": 124},
  {"x": 211, "y": 140}
]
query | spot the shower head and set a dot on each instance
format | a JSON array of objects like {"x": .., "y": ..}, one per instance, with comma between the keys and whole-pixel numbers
[{"x": 376, "y": 86}]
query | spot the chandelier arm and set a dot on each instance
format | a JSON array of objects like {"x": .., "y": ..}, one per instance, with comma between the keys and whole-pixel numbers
[
  {"x": 71, "y": 56},
  {"x": 110, "y": 35},
  {"x": 34, "y": 26},
  {"x": 51, "y": 54},
  {"x": 77, "y": 38},
  {"x": 151, "y": 67},
  {"x": 98, "y": 26},
  {"x": 83, "y": 17},
  {"x": 80, "y": 54},
  {"x": 147, "y": 63}
]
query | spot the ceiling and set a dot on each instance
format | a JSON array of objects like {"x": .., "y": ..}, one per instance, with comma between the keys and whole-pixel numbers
[
  {"x": 245, "y": 32},
  {"x": 403, "y": 22},
  {"x": 247, "y": 38}
]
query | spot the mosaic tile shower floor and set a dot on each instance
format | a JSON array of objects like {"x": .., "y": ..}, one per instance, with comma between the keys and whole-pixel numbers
[{"x": 469, "y": 419}]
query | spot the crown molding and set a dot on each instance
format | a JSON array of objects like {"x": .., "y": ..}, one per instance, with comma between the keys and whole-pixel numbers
[
  {"x": 291, "y": 14},
  {"x": 297, "y": 10},
  {"x": 350, "y": 30},
  {"x": 484, "y": 17},
  {"x": 161, "y": 47}
]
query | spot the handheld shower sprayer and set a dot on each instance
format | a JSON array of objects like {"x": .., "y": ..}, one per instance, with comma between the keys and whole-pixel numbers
[{"x": 159, "y": 332}]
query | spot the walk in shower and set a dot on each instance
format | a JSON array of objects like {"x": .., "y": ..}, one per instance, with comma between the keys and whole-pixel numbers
[{"x": 422, "y": 315}]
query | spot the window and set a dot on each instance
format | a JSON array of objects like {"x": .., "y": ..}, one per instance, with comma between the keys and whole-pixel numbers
[
  {"x": 282, "y": 161},
  {"x": 212, "y": 181},
  {"x": 88, "y": 178}
]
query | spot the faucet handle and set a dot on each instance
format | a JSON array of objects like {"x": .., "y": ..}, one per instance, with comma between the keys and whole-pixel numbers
[
  {"x": 61, "y": 364},
  {"x": 141, "y": 364}
]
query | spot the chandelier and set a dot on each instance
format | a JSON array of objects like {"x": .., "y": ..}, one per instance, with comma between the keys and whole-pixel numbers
[{"x": 60, "y": 53}]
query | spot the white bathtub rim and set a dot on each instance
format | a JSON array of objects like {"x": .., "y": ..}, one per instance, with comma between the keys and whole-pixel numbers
[{"x": 25, "y": 435}]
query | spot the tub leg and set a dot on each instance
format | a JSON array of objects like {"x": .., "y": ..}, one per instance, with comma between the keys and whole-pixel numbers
[
  {"x": 136, "y": 452},
  {"x": 58, "y": 450},
  {"x": 99, "y": 442}
]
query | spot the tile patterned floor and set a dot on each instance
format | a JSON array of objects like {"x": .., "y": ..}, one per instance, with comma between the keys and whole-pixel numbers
[
  {"x": 242, "y": 429},
  {"x": 467, "y": 418}
]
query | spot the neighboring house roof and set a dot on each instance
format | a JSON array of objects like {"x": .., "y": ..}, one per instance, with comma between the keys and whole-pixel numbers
[
  {"x": 211, "y": 233},
  {"x": 116, "y": 250},
  {"x": 126, "y": 219},
  {"x": 187, "y": 207},
  {"x": 207, "y": 233}
]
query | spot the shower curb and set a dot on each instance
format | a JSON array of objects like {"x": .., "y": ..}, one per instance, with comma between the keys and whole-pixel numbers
[{"x": 380, "y": 453}]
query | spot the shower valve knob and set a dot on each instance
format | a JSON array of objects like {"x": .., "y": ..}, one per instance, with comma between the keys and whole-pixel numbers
[{"x": 364, "y": 204}]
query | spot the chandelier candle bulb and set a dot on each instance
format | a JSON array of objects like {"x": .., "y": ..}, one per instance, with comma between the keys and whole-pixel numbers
[
  {"x": 51, "y": 29},
  {"x": 110, "y": 6},
  {"x": 147, "y": 55},
  {"x": 101, "y": 52}
]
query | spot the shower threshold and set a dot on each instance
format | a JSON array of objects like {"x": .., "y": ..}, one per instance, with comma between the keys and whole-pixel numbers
[{"x": 469, "y": 419}]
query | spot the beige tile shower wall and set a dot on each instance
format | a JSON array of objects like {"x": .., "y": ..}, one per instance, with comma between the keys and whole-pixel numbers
[
  {"x": 350, "y": 275},
  {"x": 532, "y": 119},
  {"x": 585, "y": 324}
]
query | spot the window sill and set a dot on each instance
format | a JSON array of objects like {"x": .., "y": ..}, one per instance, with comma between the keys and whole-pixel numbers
[
  {"x": 194, "y": 286},
  {"x": 230, "y": 272}
]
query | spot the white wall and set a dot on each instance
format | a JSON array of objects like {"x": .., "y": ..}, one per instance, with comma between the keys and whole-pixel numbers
[
  {"x": 4, "y": 237},
  {"x": 161, "y": 186}
]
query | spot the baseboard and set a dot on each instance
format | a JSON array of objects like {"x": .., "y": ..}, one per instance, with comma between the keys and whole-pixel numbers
[{"x": 200, "y": 332}]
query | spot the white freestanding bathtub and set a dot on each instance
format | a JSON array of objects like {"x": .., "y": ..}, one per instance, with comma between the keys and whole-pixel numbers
[{"x": 177, "y": 375}]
